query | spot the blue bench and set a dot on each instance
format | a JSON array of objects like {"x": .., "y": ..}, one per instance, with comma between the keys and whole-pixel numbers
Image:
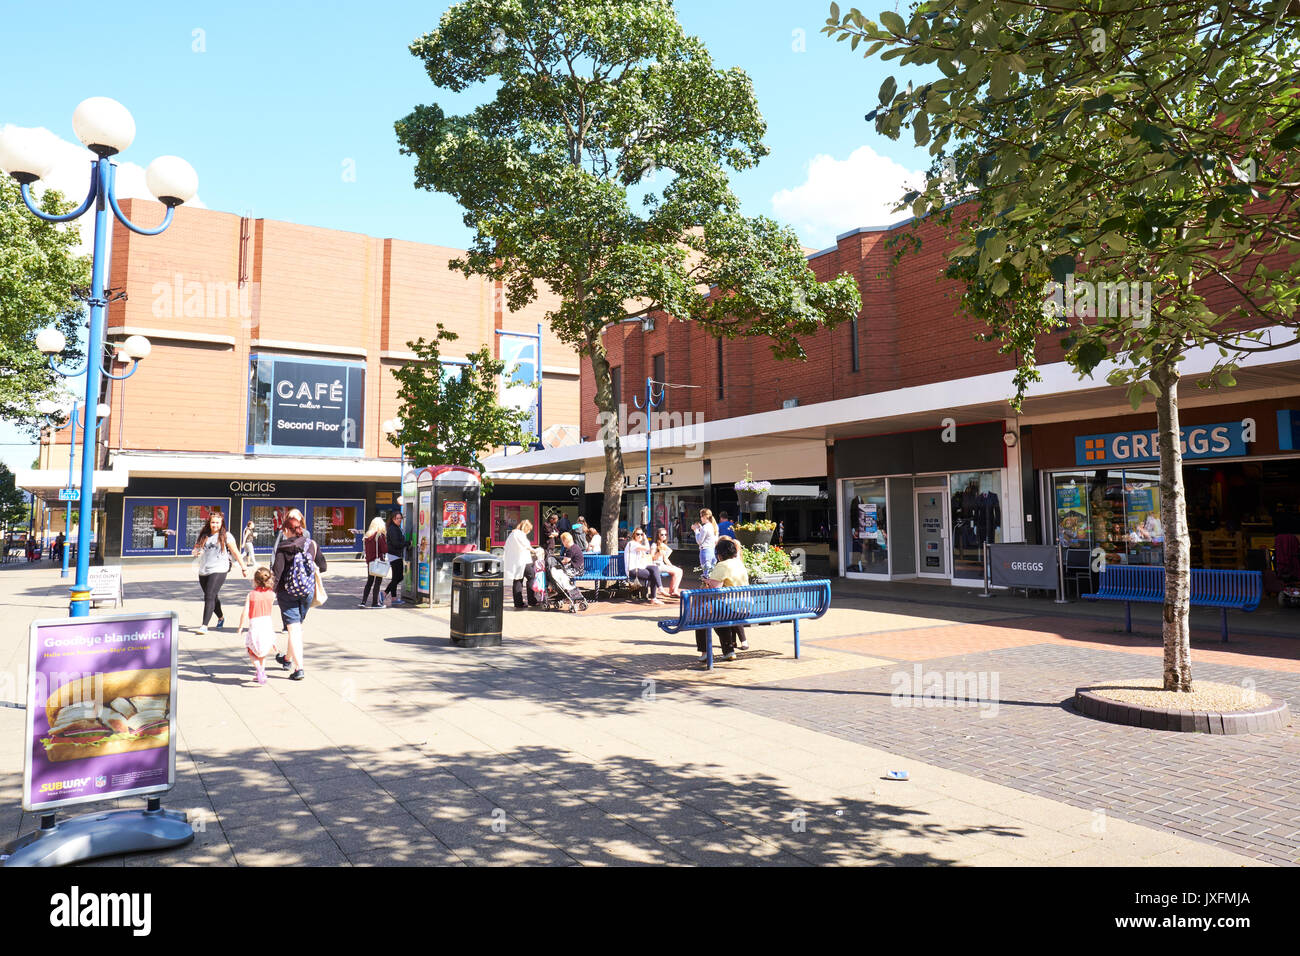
[
  {"x": 791, "y": 601},
  {"x": 601, "y": 568},
  {"x": 1226, "y": 590}
]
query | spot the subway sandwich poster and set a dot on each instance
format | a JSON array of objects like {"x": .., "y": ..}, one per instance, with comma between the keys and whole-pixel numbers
[{"x": 101, "y": 709}]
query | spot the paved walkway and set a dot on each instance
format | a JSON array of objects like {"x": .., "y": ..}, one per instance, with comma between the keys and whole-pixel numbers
[{"x": 589, "y": 739}]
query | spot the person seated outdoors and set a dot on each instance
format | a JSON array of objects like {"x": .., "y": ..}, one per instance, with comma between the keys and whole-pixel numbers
[
  {"x": 636, "y": 558},
  {"x": 728, "y": 572},
  {"x": 661, "y": 554},
  {"x": 593, "y": 538},
  {"x": 571, "y": 560}
]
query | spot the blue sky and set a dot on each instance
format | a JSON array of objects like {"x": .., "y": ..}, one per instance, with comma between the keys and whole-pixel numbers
[{"x": 282, "y": 95}]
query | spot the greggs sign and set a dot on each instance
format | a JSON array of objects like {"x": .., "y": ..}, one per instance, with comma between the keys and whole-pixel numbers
[{"x": 1225, "y": 440}]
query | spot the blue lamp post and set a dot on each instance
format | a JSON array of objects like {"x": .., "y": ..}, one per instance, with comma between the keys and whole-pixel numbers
[
  {"x": 653, "y": 399},
  {"x": 106, "y": 128},
  {"x": 102, "y": 412}
]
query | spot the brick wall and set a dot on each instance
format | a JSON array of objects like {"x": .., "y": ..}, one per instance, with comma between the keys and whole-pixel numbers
[
  {"x": 307, "y": 286},
  {"x": 911, "y": 331}
]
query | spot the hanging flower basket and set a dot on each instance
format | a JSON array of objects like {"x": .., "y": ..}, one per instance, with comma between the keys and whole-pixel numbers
[{"x": 752, "y": 494}]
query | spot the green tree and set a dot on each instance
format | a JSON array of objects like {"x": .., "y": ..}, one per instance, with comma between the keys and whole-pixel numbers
[
  {"x": 39, "y": 273},
  {"x": 598, "y": 168},
  {"x": 13, "y": 505},
  {"x": 449, "y": 412},
  {"x": 1146, "y": 143}
]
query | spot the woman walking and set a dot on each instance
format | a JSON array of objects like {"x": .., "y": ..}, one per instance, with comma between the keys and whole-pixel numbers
[
  {"x": 593, "y": 538},
  {"x": 291, "y": 591},
  {"x": 706, "y": 536},
  {"x": 215, "y": 549},
  {"x": 518, "y": 564},
  {"x": 375, "y": 544},
  {"x": 246, "y": 544},
  {"x": 636, "y": 558}
]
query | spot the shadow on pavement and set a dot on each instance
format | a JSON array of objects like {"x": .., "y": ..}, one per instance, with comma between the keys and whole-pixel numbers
[{"x": 525, "y": 806}]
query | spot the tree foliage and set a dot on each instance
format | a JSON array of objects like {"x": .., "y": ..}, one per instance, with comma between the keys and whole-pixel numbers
[
  {"x": 1150, "y": 147},
  {"x": 599, "y": 169},
  {"x": 13, "y": 504},
  {"x": 449, "y": 413},
  {"x": 40, "y": 274}
]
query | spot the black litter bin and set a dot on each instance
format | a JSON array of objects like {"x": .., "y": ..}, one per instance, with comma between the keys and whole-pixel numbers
[{"x": 476, "y": 592}]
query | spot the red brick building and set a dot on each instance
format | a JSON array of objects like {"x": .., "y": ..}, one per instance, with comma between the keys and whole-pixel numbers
[
  {"x": 224, "y": 300},
  {"x": 893, "y": 450}
]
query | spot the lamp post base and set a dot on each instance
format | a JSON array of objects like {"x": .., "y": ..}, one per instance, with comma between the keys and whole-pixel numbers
[
  {"x": 79, "y": 605},
  {"x": 94, "y": 835}
]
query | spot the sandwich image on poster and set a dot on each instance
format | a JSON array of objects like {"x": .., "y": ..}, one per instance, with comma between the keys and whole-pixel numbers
[
  {"x": 115, "y": 713},
  {"x": 101, "y": 709}
]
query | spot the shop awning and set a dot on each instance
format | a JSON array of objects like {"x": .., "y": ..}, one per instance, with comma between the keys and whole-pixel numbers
[{"x": 47, "y": 482}]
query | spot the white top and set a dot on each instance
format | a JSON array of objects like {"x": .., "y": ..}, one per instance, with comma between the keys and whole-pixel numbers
[
  {"x": 518, "y": 555},
  {"x": 214, "y": 559},
  {"x": 707, "y": 536},
  {"x": 593, "y": 543},
  {"x": 635, "y": 556}
]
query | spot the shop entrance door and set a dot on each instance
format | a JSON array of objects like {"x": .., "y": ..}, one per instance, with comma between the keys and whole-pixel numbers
[{"x": 932, "y": 534}]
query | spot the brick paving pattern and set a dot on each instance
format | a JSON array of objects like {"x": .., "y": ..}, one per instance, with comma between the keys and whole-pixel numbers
[{"x": 1241, "y": 793}]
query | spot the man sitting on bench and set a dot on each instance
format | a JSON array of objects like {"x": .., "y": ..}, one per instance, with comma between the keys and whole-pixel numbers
[{"x": 729, "y": 572}]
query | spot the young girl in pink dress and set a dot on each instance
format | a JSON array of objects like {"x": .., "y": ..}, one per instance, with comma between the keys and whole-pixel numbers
[{"x": 257, "y": 617}]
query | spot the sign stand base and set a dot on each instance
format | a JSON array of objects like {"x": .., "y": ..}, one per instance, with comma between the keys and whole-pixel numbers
[{"x": 94, "y": 835}]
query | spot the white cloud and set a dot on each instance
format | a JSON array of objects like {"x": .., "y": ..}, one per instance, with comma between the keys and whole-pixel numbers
[
  {"x": 70, "y": 175},
  {"x": 840, "y": 195}
]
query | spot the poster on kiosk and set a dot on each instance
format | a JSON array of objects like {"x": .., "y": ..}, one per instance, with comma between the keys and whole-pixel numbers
[{"x": 447, "y": 519}]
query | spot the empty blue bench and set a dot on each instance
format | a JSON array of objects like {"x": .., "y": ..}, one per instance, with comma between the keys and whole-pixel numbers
[
  {"x": 601, "y": 568},
  {"x": 791, "y": 601},
  {"x": 1226, "y": 590}
]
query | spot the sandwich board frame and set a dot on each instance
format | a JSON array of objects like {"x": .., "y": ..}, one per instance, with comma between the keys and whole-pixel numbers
[{"x": 114, "y": 633}]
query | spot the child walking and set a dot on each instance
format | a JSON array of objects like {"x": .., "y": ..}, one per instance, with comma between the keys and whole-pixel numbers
[{"x": 257, "y": 618}]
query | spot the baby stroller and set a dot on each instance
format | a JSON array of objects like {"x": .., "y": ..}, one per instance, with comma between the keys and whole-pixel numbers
[{"x": 560, "y": 588}]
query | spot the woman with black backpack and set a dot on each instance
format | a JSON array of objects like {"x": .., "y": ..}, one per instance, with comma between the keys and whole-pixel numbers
[{"x": 298, "y": 561}]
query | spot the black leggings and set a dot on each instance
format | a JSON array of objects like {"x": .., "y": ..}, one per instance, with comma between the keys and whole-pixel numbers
[
  {"x": 524, "y": 586},
  {"x": 396, "y": 582},
  {"x": 375, "y": 581},
  {"x": 211, "y": 584}
]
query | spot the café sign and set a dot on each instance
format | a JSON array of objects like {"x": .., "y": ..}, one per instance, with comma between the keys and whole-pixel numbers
[{"x": 1224, "y": 440}]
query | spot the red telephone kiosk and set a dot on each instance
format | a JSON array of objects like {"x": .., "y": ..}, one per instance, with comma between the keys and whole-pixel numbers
[{"x": 447, "y": 499}]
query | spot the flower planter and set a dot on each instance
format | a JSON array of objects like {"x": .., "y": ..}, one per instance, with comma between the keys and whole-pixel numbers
[
  {"x": 752, "y": 539},
  {"x": 777, "y": 577},
  {"x": 752, "y": 502}
]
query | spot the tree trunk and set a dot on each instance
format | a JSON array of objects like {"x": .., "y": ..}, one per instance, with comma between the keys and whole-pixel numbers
[
  {"x": 1173, "y": 515},
  {"x": 608, "y": 430}
]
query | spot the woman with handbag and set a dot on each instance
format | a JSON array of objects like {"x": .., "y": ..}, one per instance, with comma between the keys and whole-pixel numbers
[
  {"x": 376, "y": 547},
  {"x": 297, "y": 568},
  {"x": 213, "y": 553}
]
